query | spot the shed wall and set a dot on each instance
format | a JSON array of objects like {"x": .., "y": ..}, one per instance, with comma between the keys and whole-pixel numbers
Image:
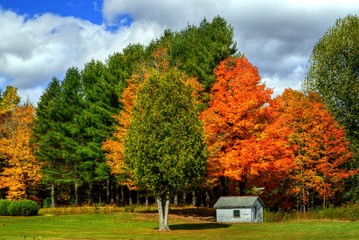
[
  {"x": 257, "y": 212},
  {"x": 226, "y": 215}
]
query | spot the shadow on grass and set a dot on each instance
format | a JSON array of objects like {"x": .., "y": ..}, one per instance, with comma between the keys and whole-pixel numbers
[
  {"x": 184, "y": 211},
  {"x": 198, "y": 226},
  {"x": 194, "y": 212}
]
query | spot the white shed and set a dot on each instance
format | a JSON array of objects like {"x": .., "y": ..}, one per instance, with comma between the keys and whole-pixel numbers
[{"x": 239, "y": 209}]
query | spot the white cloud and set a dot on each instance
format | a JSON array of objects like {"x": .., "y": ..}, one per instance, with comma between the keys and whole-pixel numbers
[
  {"x": 276, "y": 36},
  {"x": 31, "y": 94},
  {"x": 174, "y": 14},
  {"x": 292, "y": 80},
  {"x": 33, "y": 50}
]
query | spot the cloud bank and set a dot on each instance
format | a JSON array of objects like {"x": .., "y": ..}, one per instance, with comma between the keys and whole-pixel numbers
[{"x": 276, "y": 36}]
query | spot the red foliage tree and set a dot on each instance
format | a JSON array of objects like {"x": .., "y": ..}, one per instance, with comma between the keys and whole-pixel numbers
[
  {"x": 242, "y": 144},
  {"x": 320, "y": 149}
]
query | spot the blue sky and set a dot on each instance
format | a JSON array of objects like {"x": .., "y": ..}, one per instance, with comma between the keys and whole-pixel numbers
[
  {"x": 88, "y": 10},
  {"x": 41, "y": 39}
]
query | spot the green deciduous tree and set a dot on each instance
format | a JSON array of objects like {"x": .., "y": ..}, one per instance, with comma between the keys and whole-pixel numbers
[
  {"x": 334, "y": 74},
  {"x": 164, "y": 145}
]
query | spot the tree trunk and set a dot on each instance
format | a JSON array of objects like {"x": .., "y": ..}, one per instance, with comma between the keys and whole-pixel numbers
[
  {"x": 203, "y": 198},
  {"x": 90, "y": 199},
  {"x": 138, "y": 199},
  {"x": 194, "y": 198},
  {"x": 175, "y": 200},
  {"x": 303, "y": 200},
  {"x": 146, "y": 201},
  {"x": 130, "y": 197},
  {"x": 324, "y": 202},
  {"x": 208, "y": 198},
  {"x": 163, "y": 203},
  {"x": 53, "y": 203},
  {"x": 325, "y": 196},
  {"x": 76, "y": 187},
  {"x": 115, "y": 195},
  {"x": 108, "y": 191},
  {"x": 123, "y": 195},
  {"x": 303, "y": 194}
]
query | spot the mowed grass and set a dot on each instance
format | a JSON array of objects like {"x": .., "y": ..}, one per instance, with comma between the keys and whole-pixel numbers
[{"x": 130, "y": 225}]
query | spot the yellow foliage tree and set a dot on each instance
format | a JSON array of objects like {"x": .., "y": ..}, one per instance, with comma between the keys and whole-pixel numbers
[{"x": 20, "y": 171}]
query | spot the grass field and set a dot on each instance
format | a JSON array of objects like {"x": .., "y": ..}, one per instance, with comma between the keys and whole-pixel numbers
[{"x": 130, "y": 225}]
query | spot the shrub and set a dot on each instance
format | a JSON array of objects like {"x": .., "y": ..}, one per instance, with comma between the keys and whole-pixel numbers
[
  {"x": 29, "y": 208},
  {"x": 47, "y": 202},
  {"x": 18, "y": 208},
  {"x": 14, "y": 208},
  {"x": 4, "y": 203}
]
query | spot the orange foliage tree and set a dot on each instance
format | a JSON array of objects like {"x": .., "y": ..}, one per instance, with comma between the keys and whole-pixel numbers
[
  {"x": 241, "y": 144},
  {"x": 319, "y": 148},
  {"x": 20, "y": 171},
  {"x": 114, "y": 146}
]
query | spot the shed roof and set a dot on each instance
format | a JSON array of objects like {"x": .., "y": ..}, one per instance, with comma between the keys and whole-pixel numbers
[{"x": 237, "y": 202}]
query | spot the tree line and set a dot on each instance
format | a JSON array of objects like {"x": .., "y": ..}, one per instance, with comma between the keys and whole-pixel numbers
[{"x": 187, "y": 119}]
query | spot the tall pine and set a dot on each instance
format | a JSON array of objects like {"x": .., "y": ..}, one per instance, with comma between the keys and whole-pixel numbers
[
  {"x": 96, "y": 123},
  {"x": 47, "y": 138}
]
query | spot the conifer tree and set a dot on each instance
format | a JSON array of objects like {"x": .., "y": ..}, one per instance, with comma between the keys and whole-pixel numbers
[
  {"x": 47, "y": 138},
  {"x": 96, "y": 122}
]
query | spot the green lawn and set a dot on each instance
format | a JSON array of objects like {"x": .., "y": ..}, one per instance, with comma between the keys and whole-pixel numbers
[{"x": 124, "y": 225}]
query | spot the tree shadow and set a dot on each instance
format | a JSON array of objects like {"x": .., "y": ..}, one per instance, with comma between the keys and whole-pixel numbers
[
  {"x": 193, "y": 212},
  {"x": 198, "y": 226}
]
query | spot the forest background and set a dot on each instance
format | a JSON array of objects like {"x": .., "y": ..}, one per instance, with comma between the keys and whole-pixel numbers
[{"x": 297, "y": 151}]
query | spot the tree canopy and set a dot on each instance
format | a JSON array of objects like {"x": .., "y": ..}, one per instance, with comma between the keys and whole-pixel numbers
[
  {"x": 334, "y": 74},
  {"x": 131, "y": 128},
  {"x": 320, "y": 150},
  {"x": 19, "y": 169},
  {"x": 236, "y": 115},
  {"x": 164, "y": 145}
]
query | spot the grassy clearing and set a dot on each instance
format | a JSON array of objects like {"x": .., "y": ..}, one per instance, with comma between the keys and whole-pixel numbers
[{"x": 184, "y": 225}]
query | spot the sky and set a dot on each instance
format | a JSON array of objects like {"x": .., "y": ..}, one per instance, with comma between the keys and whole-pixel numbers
[{"x": 41, "y": 39}]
